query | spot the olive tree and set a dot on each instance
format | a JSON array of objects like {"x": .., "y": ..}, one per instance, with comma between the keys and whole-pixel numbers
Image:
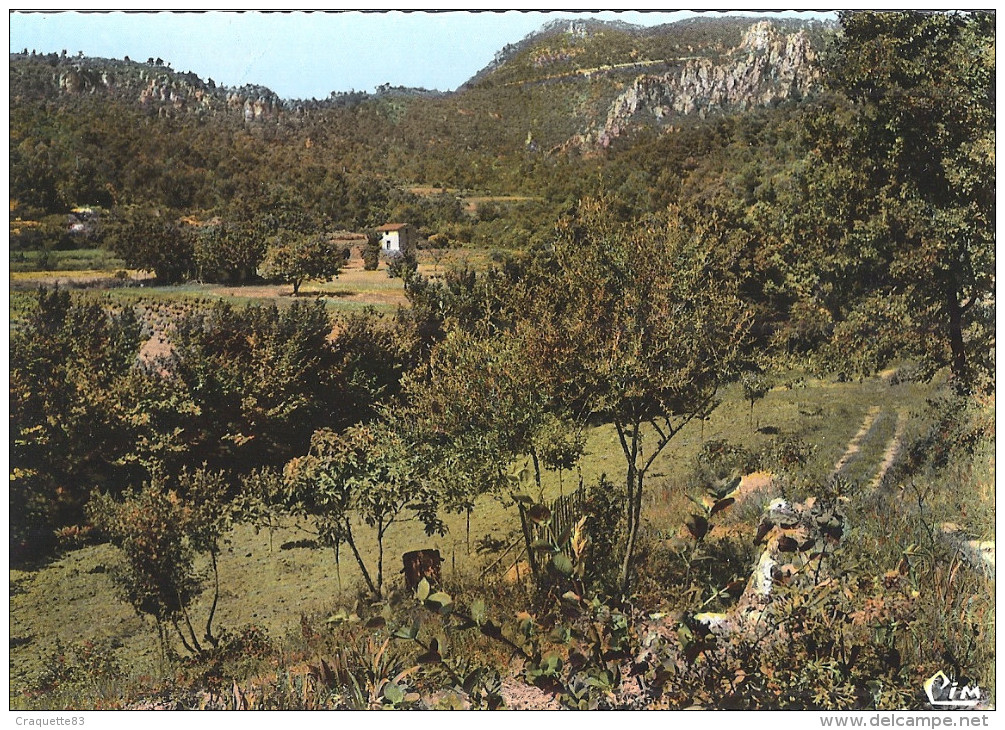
[
  {"x": 642, "y": 330},
  {"x": 363, "y": 478},
  {"x": 161, "y": 529}
]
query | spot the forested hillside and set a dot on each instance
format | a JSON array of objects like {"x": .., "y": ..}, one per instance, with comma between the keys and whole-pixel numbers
[
  {"x": 695, "y": 350},
  {"x": 141, "y": 133}
]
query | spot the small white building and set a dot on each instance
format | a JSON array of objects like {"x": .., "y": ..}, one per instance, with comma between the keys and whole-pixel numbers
[{"x": 395, "y": 238}]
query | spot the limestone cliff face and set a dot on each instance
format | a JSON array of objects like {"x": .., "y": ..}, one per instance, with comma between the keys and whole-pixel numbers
[
  {"x": 166, "y": 91},
  {"x": 255, "y": 103},
  {"x": 767, "y": 67}
]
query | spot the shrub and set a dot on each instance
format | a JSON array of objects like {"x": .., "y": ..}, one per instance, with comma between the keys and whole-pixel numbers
[
  {"x": 718, "y": 459},
  {"x": 787, "y": 453},
  {"x": 755, "y": 386},
  {"x": 160, "y": 531},
  {"x": 829, "y": 647},
  {"x": 371, "y": 258},
  {"x": 77, "y": 668},
  {"x": 158, "y": 577},
  {"x": 402, "y": 266}
]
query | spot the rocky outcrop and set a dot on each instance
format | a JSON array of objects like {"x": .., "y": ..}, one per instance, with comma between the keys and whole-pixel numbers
[
  {"x": 767, "y": 67},
  {"x": 170, "y": 95},
  {"x": 160, "y": 89},
  {"x": 255, "y": 103}
]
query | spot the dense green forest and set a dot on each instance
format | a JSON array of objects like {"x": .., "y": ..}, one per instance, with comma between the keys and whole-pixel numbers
[{"x": 695, "y": 273}]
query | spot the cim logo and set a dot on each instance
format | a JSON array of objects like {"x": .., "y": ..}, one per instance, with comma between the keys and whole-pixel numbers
[{"x": 944, "y": 692}]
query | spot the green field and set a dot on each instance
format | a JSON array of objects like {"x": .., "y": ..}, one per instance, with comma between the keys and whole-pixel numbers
[
  {"x": 84, "y": 259},
  {"x": 353, "y": 290}
]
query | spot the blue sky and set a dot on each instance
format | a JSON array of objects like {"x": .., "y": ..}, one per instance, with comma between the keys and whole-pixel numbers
[{"x": 304, "y": 54}]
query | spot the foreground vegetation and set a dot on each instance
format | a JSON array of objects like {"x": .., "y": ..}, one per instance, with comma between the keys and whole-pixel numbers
[
  {"x": 727, "y": 443},
  {"x": 283, "y": 608}
]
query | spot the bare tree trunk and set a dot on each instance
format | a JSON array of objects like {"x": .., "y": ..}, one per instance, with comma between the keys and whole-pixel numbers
[
  {"x": 959, "y": 363},
  {"x": 181, "y": 635},
  {"x": 216, "y": 598},
  {"x": 525, "y": 526},
  {"x": 633, "y": 489},
  {"x": 380, "y": 557},
  {"x": 338, "y": 568},
  {"x": 537, "y": 474},
  {"x": 162, "y": 638},
  {"x": 525, "y": 522},
  {"x": 191, "y": 631},
  {"x": 635, "y": 516},
  {"x": 359, "y": 560}
]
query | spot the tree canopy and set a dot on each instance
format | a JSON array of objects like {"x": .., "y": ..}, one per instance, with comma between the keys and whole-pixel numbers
[
  {"x": 651, "y": 331},
  {"x": 294, "y": 258},
  {"x": 913, "y": 158}
]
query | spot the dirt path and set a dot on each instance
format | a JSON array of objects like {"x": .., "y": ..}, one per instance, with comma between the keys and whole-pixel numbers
[
  {"x": 519, "y": 695},
  {"x": 855, "y": 445},
  {"x": 978, "y": 553},
  {"x": 893, "y": 448},
  {"x": 587, "y": 72}
]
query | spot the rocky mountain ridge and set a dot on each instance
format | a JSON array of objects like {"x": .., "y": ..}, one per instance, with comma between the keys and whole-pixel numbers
[
  {"x": 152, "y": 85},
  {"x": 156, "y": 86},
  {"x": 767, "y": 67},
  {"x": 584, "y": 83}
]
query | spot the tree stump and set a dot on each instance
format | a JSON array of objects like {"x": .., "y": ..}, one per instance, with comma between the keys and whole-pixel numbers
[{"x": 419, "y": 564}]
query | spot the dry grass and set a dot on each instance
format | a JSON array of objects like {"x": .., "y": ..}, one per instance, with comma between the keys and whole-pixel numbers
[{"x": 354, "y": 288}]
